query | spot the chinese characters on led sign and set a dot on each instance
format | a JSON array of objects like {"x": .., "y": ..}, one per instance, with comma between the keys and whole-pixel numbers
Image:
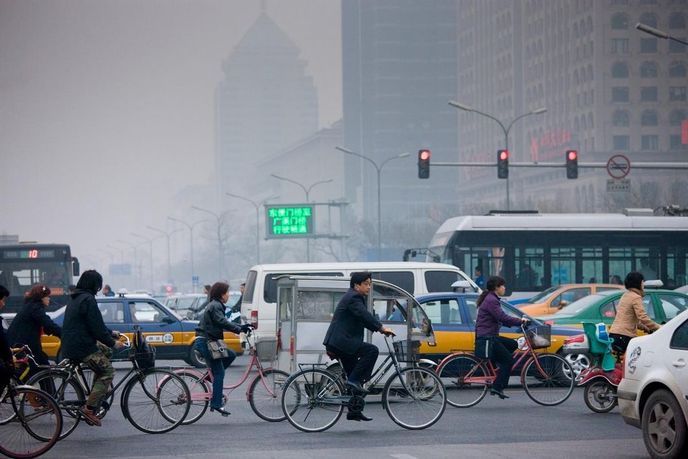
[{"x": 291, "y": 220}]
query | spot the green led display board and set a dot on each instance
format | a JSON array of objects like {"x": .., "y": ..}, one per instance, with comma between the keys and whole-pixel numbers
[{"x": 289, "y": 220}]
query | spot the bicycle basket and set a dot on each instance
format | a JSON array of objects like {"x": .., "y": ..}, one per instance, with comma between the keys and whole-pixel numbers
[
  {"x": 266, "y": 349},
  {"x": 402, "y": 348},
  {"x": 142, "y": 353},
  {"x": 539, "y": 336}
]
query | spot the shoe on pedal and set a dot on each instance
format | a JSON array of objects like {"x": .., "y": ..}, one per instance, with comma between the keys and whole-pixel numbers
[
  {"x": 357, "y": 417},
  {"x": 89, "y": 416},
  {"x": 356, "y": 387}
]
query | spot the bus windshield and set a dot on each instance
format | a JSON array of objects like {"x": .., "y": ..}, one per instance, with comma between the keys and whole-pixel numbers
[{"x": 24, "y": 265}]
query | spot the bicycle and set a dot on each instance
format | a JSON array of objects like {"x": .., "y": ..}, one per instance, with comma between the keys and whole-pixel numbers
[
  {"x": 30, "y": 421},
  {"x": 152, "y": 400},
  {"x": 314, "y": 398},
  {"x": 546, "y": 378},
  {"x": 263, "y": 394}
]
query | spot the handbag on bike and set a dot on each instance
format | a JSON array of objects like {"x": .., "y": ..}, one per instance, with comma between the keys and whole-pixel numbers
[{"x": 217, "y": 349}]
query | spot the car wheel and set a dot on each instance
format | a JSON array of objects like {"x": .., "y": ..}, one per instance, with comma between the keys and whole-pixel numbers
[
  {"x": 578, "y": 362},
  {"x": 664, "y": 426},
  {"x": 196, "y": 359}
]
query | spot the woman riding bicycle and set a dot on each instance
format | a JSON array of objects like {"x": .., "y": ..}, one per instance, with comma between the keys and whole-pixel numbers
[
  {"x": 630, "y": 313},
  {"x": 490, "y": 318}
]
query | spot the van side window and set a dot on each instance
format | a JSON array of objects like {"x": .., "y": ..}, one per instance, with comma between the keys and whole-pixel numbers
[
  {"x": 440, "y": 281},
  {"x": 403, "y": 279},
  {"x": 270, "y": 285},
  {"x": 250, "y": 286}
]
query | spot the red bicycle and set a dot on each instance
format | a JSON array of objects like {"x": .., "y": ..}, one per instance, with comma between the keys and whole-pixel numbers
[{"x": 548, "y": 379}]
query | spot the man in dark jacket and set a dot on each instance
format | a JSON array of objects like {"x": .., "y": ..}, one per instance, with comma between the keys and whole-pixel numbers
[
  {"x": 6, "y": 361},
  {"x": 86, "y": 338},
  {"x": 344, "y": 337}
]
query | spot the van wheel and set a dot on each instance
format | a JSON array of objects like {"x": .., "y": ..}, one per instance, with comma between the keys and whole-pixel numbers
[{"x": 195, "y": 358}]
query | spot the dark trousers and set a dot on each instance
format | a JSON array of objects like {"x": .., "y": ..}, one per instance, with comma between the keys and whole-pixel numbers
[
  {"x": 620, "y": 343},
  {"x": 502, "y": 356},
  {"x": 217, "y": 368},
  {"x": 358, "y": 366}
]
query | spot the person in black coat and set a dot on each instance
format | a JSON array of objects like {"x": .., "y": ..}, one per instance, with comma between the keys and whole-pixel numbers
[
  {"x": 6, "y": 361},
  {"x": 31, "y": 322},
  {"x": 344, "y": 337},
  {"x": 85, "y": 338}
]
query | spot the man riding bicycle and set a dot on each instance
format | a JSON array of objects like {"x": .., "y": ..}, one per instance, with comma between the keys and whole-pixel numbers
[
  {"x": 85, "y": 338},
  {"x": 344, "y": 337}
]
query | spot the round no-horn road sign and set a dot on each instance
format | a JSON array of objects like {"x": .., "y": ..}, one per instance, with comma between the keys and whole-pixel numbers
[{"x": 618, "y": 166}]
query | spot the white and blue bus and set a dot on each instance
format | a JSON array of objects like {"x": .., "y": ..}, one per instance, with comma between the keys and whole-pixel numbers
[
  {"x": 534, "y": 251},
  {"x": 24, "y": 264}
]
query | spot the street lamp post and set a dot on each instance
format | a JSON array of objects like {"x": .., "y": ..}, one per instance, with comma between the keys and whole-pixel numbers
[
  {"x": 257, "y": 205},
  {"x": 379, "y": 205},
  {"x": 307, "y": 191},
  {"x": 658, "y": 33},
  {"x": 220, "y": 245},
  {"x": 167, "y": 235},
  {"x": 191, "y": 246},
  {"x": 136, "y": 271},
  {"x": 505, "y": 130},
  {"x": 150, "y": 253}
]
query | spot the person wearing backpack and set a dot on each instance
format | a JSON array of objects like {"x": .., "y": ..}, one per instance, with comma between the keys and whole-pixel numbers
[
  {"x": 211, "y": 329},
  {"x": 85, "y": 338}
]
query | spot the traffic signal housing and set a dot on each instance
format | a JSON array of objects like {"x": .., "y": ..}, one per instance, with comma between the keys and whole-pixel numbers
[
  {"x": 503, "y": 164},
  {"x": 571, "y": 164},
  {"x": 424, "y": 164}
]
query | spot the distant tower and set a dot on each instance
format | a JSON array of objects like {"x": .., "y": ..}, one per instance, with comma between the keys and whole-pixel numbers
[
  {"x": 265, "y": 103},
  {"x": 399, "y": 71}
]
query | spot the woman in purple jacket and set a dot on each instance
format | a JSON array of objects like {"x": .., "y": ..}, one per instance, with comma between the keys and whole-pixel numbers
[{"x": 490, "y": 318}]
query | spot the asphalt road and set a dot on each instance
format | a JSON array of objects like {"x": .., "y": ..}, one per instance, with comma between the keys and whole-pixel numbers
[{"x": 513, "y": 428}]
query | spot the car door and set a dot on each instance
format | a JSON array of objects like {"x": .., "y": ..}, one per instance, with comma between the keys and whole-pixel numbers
[
  {"x": 677, "y": 357},
  {"x": 160, "y": 327},
  {"x": 453, "y": 327},
  {"x": 115, "y": 319}
]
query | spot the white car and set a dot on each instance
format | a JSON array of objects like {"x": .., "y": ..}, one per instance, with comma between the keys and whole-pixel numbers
[{"x": 653, "y": 394}]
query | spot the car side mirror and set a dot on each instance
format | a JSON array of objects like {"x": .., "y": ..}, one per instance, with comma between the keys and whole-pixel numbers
[
  {"x": 563, "y": 303},
  {"x": 168, "y": 320}
]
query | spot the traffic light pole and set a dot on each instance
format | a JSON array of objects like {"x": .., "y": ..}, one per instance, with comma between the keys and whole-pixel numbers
[{"x": 591, "y": 165}]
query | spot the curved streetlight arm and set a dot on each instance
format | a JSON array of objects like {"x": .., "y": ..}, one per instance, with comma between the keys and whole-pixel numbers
[
  {"x": 349, "y": 152},
  {"x": 318, "y": 183},
  {"x": 538, "y": 111},
  {"x": 402, "y": 155},
  {"x": 279, "y": 177},
  {"x": 658, "y": 33}
]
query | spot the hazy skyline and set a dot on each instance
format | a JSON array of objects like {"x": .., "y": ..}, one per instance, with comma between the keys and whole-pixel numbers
[{"x": 107, "y": 107}]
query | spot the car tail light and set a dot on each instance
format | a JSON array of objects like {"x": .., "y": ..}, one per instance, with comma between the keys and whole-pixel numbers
[
  {"x": 549, "y": 322},
  {"x": 575, "y": 339},
  {"x": 254, "y": 319}
]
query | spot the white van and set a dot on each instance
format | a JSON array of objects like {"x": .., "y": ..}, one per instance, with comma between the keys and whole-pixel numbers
[{"x": 259, "y": 304}]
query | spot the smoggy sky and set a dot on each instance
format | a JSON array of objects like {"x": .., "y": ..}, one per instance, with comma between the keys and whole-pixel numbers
[{"x": 106, "y": 107}]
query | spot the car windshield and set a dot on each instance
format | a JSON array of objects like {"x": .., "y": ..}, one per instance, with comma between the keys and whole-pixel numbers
[
  {"x": 515, "y": 312},
  {"x": 579, "y": 305},
  {"x": 185, "y": 303},
  {"x": 544, "y": 295},
  {"x": 233, "y": 298}
]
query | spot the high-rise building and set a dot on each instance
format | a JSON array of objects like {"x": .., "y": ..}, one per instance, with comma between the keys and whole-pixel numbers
[
  {"x": 265, "y": 103},
  {"x": 607, "y": 87},
  {"x": 399, "y": 70}
]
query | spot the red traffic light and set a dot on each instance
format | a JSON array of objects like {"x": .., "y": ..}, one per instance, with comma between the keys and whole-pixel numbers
[
  {"x": 424, "y": 164},
  {"x": 572, "y": 155},
  {"x": 503, "y": 155},
  {"x": 424, "y": 155}
]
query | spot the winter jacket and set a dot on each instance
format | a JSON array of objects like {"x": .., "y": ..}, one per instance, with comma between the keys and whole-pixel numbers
[
  {"x": 491, "y": 317},
  {"x": 630, "y": 314},
  {"x": 351, "y": 317},
  {"x": 213, "y": 322},
  {"x": 83, "y": 326},
  {"x": 29, "y": 323}
]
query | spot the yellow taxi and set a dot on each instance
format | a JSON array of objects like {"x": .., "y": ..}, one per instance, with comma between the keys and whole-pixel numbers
[{"x": 172, "y": 338}]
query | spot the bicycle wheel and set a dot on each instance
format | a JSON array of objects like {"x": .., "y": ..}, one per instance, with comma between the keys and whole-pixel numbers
[
  {"x": 200, "y": 390},
  {"x": 599, "y": 396},
  {"x": 265, "y": 395},
  {"x": 66, "y": 391},
  {"x": 6, "y": 411},
  {"x": 155, "y": 401},
  {"x": 545, "y": 379},
  {"x": 34, "y": 426},
  {"x": 414, "y": 398},
  {"x": 312, "y": 400},
  {"x": 463, "y": 377}
]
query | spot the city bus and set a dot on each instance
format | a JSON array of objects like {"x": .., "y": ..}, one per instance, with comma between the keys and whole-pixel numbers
[
  {"x": 534, "y": 251},
  {"x": 27, "y": 263}
]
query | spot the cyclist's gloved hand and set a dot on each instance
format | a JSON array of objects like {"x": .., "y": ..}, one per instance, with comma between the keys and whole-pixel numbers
[
  {"x": 525, "y": 320},
  {"x": 246, "y": 328}
]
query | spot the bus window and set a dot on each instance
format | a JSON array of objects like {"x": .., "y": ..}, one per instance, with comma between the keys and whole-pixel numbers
[
  {"x": 529, "y": 263},
  {"x": 563, "y": 265},
  {"x": 591, "y": 265}
]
